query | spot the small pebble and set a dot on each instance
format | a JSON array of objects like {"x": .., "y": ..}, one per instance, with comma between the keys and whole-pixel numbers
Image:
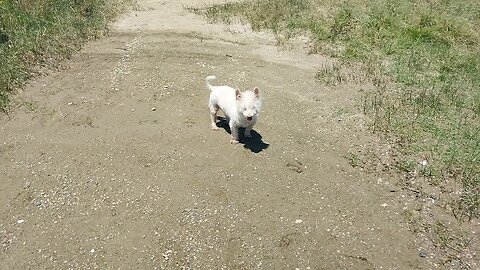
[
  {"x": 20, "y": 221},
  {"x": 298, "y": 221},
  {"x": 423, "y": 254}
]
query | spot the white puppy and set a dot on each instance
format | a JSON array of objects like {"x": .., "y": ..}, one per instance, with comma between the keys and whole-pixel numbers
[{"x": 240, "y": 109}]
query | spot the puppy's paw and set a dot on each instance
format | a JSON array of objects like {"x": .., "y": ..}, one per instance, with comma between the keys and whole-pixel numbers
[{"x": 233, "y": 141}]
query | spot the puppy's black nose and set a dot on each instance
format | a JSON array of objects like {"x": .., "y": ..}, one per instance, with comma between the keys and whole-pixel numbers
[{"x": 249, "y": 118}]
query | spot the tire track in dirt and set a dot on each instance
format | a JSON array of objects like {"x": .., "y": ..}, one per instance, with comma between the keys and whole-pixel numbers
[{"x": 123, "y": 65}]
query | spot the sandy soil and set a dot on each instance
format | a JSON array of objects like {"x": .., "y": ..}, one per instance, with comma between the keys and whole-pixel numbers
[{"x": 112, "y": 164}]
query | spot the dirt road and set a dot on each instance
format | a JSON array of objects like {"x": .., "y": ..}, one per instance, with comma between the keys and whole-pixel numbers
[{"x": 111, "y": 163}]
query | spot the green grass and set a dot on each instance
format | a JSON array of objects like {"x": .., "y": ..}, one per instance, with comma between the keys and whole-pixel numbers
[
  {"x": 39, "y": 33},
  {"x": 422, "y": 56}
]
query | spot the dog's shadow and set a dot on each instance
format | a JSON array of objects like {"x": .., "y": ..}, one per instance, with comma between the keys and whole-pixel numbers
[{"x": 254, "y": 144}]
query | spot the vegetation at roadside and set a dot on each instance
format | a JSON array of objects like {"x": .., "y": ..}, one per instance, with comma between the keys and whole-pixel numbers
[
  {"x": 41, "y": 32},
  {"x": 423, "y": 57}
]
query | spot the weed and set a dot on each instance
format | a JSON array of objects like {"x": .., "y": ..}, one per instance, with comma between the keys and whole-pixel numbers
[
  {"x": 453, "y": 244},
  {"x": 353, "y": 159},
  {"x": 330, "y": 75},
  {"x": 342, "y": 24},
  {"x": 31, "y": 105}
]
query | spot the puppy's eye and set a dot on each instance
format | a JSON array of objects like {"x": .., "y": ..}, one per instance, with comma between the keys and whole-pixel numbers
[{"x": 244, "y": 109}]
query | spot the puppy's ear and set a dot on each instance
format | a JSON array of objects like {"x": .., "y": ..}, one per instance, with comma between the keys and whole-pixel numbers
[
  {"x": 238, "y": 94},
  {"x": 257, "y": 92}
]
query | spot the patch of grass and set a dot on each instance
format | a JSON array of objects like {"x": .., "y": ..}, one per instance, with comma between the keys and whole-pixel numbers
[
  {"x": 422, "y": 56},
  {"x": 330, "y": 75},
  {"x": 31, "y": 105},
  {"x": 42, "y": 32},
  {"x": 453, "y": 243},
  {"x": 353, "y": 159},
  {"x": 270, "y": 15}
]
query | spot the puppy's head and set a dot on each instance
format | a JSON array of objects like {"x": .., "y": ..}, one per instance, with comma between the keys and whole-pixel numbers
[{"x": 249, "y": 103}]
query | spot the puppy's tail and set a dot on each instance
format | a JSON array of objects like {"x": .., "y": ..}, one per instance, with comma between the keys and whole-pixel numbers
[{"x": 208, "y": 80}]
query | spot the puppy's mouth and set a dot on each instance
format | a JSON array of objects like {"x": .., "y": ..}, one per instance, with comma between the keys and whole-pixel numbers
[{"x": 249, "y": 118}]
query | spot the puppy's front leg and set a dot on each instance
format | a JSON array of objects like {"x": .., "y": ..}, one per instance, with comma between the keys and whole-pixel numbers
[
  {"x": 248, "y": 129},
  {"x": 234, "y": 130}
]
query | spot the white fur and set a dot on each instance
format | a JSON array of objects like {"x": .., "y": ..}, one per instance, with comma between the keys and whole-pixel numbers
[{"x": 241, "y": 109}]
